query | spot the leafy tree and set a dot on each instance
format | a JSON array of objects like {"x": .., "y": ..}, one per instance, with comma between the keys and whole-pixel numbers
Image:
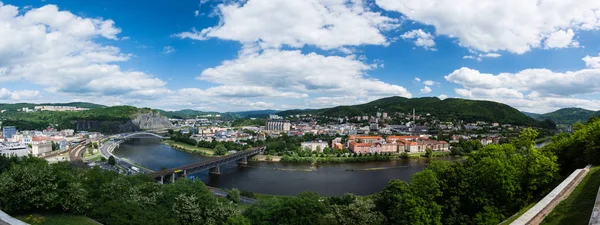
[
  {"x": 305, "y": 209},
  {"x": 111, "y": 160},
  {"x": 220, "y": 149},
  {"x": 359, "y": 211},
  {"x": 428, "y": 152},
  {"x": 234, "y": 196}
]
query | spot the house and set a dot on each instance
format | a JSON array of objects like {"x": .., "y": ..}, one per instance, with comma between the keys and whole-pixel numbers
[{"x": 314, "y": 146}]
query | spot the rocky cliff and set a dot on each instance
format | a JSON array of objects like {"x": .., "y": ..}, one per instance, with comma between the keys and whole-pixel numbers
[{"x": 138, "y": 121}]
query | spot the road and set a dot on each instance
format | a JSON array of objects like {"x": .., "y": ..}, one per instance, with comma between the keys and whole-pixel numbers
[
  {"x": 221, "y": 193},
  {"x": 105, "y": 149}
]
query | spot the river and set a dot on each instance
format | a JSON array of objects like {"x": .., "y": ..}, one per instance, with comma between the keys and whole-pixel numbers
[{"x": 331, "y": 179}]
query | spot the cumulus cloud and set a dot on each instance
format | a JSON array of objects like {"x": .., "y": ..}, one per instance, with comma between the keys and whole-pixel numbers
[
  {"x": 305, "y": 73},
  {"x": 326, "y": 24},
  {"x": 592, "y": 62},
  {"x": 561, "y": 39},
  {"x": 425, "y": 90},
  {"x": 417, "y": 79},
  {"x": 516, "y": 26},
  {"x": 429, "y": 82},
  {"x": 6, "y": 94},
  {"x": 442, "y": 96},
  {"x": 59, "y": 51},
  {"x": 538, "y": 90},
  {"x": 420, "y": 38}
]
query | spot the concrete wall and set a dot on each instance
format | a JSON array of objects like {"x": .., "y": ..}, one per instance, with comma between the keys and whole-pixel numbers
[
  {"x": 538, "y": 212},
  {"x": 5, "y": 219}
]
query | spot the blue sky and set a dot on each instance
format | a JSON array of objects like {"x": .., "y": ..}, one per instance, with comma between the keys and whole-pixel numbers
[{"x": 231, "y": 55}]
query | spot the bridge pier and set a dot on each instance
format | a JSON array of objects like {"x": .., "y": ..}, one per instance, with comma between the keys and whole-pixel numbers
[
  {"x": 214, "y": 170},
  {"x": 243, "y": 161}
]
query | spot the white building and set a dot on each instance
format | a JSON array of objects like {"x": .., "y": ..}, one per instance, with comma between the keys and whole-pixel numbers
[
  {"x": 13, "y": 149},
  {"x": 314, "y": 146},
  {"x": 41, "y": 148},
  {"x": 279, "y": 125}
]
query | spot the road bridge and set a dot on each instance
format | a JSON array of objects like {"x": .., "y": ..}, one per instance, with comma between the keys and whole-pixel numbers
[
  {"x": 126, "y": 136},
  {"x": 212, "y": 165}
]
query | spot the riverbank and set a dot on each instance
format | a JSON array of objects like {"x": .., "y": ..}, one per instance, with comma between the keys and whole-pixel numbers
[
  {"x": 346, "y": 159},
  {"x": 189, "y": 148}
]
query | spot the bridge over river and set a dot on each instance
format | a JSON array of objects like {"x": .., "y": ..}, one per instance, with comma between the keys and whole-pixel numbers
[{"x": 212, "y": 165}]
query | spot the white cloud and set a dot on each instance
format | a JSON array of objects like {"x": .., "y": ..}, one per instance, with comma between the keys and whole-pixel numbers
[
  {"x": 537, "y": 90},
  {"x": 429, "y": 82},
  {"x": 421, "y": 39},
  {"x": 58, "y": 51},
  {"x": 417, "y": 79},
  {"x": 480, "y": 56},
  {"x": 327, "y": 24},
  {"x": 425, "y": 90},
  {"x": 196, "y": 13},
  {"x": 306, "y": 73},
  {"x": 442, "y": 96},
  {"x": 6, "y": 94},
  {"x": 168, "y": 50},
  {"x": 516, "y": 26},
  {"x": 561, "y": 39},
  {"x": 592, "y": 62}
]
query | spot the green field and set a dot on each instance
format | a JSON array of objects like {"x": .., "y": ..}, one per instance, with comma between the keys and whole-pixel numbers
[
  {"x": 190, "y": 148},
  {"x": 56, "y": 220},
  {"x": 577, "y": 208}
]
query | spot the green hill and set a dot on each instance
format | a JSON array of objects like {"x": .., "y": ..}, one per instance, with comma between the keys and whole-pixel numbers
[
  {"x": 569, "y": 115},
  {"x": 446, "y": 110},
  {"x": 19, "y": 106},
  {"x": 105, "y": 119}
]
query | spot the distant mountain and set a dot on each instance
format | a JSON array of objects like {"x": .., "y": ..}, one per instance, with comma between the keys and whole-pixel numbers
[
  {"x": 447, "y": 109},
  {"x": 184, "y": 114},
  {"x": 567, "y": 116},
  {"x": 18, "y": 106},
  {"x": 256, "y": 113},
  {"x": 532, "y": 115}
]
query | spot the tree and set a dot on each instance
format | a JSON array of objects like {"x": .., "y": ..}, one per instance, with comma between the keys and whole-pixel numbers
[
  {"x": 401, "y": 205},
  {"x": 111, "y": 160},
  {"x": 428, "y": 152},
  {"x": 234, "y": 196},
  {"x": 359, "y": 211},
  {"x": 220, "y": 149}
]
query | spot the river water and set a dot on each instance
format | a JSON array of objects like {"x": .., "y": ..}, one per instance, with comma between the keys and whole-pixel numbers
[{"x": 276, "y": 178}]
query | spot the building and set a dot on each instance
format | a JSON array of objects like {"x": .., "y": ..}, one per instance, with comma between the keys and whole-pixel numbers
[
  {"x": 13, "y": 149},
  {"x": 41, "y": 148},
  {"x": 278, "y": 125},
  {"x": 314, "y": 146},
  {"x": 364, "y": 139},
  {"x": 9, "y": 131},
  {"x": 58, "y": 108},
  {"x": 373, "y": 147}
]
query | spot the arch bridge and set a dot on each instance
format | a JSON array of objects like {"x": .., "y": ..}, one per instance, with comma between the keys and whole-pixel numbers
[
  {"x": 127, "y": 136},
  {"x": 212, "y": 165}
]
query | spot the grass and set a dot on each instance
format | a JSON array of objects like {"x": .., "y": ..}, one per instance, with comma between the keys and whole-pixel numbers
[
  {"x": 518, "y": 214},
  {"x": 577, "y": 208},
  {"x": 56, "y": 220},
  {"x": 262, "y": 197},
  {"x": 190, "y": 148}
]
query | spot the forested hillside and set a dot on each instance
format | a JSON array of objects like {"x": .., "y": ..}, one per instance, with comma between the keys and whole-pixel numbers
[
  {"x": 567, "y": 116},
  {"x": 113, "y": 119},
  {"x": 446, "y": 110}
]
